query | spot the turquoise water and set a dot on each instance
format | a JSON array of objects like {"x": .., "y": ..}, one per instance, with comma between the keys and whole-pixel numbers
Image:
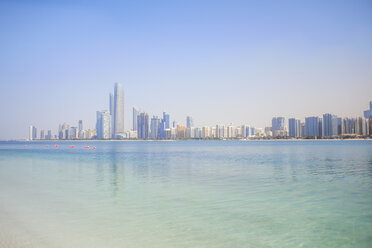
[{"x": 186, "y": 194}]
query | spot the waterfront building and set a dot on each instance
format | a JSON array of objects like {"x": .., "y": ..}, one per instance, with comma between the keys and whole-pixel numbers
[
  {"x": 174, "y": 124},
  {"x": 155, "y": 127},
  {"x": 168, "y": 133},
  {"x": 80, "y": 129},
  {"x": 253, "y": 132},
  {"x": 205, "y": 132},
  {"x": 132, "y": 134},
  {"x": 213, "y": 132},
  {"x": 135, "y": 116},
  {"x": 197, "y": 133},
  {"x": 162, "y": 132},
  {"x": 166, "y": 120},
  {"x": 294, "y": 127},
  {"x": 91, "y": 133},
  {"x": 361, "y": 126},
  {"x": 118, "y": 120},
  {"x": 368, "y": 113},
  {"x": 339, "y": 126},
  {"x": 103, "y": 125},
  {"x": 189, "y": 122},
  {"x": 330, "y": 125},
  {"x": 302, "y": 130},
  {"x": 73, "y": 133},
  {"x": 111, "y": 104},
  {"x": 219, "y": 131},
  {"x": 80, "y": 125},
  {"x": 348, "y": 126},
  {"x": 268, "y": 132},
  {"x": 312, "y": 126},
  {"x": 188, "y": 133},
  {"x": 370, "y": 126},
  {"x": 143, "y": 126},
  {"x": 278, "y": 126},
  {"x": 230, "y": 131},
  {"x": 32, "y": 133},
  {"x": 49, "y": 135},
  {"x": 173, "y": 133},
  {"x": 42, "y": 134},
  {"x": 181, "y": 132}
]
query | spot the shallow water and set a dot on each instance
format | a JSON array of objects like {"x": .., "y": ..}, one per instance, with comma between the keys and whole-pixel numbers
[{"x": 186, "y": 194}]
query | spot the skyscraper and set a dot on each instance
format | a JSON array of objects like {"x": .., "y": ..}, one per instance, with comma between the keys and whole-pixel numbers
[
  {"x": 312, "y": 126},
  {"x": 189, "y": 122},
  {"x": 368, "y": 113},
  {"x": 49, "y": 136},
  {"x": 154, "y": 127},
  {"x": 143, "y": 126},
  {"x": 118, "y": 111},
  {"x": 103, "y": 124},
  {"x": 32, "y": 133},
  {"x": 135, "y": 115},
  {"x": 330, "y": 125},
  {"x": 166, "y": 120},
  {"x": 111, "y": 104},
  {"x": 294, "y": 127},
  {"x": 277, "y": 126},
  {"x": 80, "y": 125}
]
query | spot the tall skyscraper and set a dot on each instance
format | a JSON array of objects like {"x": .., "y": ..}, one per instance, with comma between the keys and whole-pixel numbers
[
  {"x": 103, "y": 124},
  {"x": 277, "y": 126},
  {"x": 111, "y": 104},
  {"x": 118, "y": 111},
  {"x": 155, "y": 127},
  {"x": 166, "y": 120},
  {"x": 368, "y": 113},
  {"x": 135, "y": 115},
  {"x": 330, "y": 125},
  {"x": 294, "y": 127},
  {"x": 312, "y": 126},
  {"x": 189, "y": 122},
  {"x": 32, "y": 133},
  {"x": 80, "y": 125},
  {"x": 143, "y": 126}
]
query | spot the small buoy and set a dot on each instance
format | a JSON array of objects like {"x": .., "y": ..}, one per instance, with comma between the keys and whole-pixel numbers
[
  {"x": 55, "y": 145},
  {"x": 94, "y": 147},
  {"x": 86, "y": 147},
  {"x": 47, "y": 145},
  {"x": 72, "y": 146},
  {"x": 25, "y": 146}
]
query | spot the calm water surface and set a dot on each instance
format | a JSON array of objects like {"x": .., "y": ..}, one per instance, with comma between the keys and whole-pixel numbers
[{"x": 186, "y": 194}]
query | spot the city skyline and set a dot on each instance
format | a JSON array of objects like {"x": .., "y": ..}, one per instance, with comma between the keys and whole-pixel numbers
[
  {"x": 146, "y": 127},
  {"x": 243, "y": 62}
]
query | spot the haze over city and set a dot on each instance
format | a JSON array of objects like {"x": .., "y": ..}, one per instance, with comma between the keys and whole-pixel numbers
[{"x": 243, "y": 63}]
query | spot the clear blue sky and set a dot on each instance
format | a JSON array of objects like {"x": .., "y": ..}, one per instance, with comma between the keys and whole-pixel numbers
[{"x": 218, "y": 61}]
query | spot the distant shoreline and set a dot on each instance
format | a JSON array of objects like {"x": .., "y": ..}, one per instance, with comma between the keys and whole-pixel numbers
[{"x": 171, "y": 140}]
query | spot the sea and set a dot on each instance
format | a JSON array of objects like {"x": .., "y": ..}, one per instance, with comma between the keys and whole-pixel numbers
[{"x": 170, "y": 194}]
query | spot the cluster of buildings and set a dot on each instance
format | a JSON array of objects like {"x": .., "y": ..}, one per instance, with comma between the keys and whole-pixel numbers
[
  {"x": 110, "y": 125},
  {"x": 161, "y": 128},
  {"x": 327, "y": 126}
]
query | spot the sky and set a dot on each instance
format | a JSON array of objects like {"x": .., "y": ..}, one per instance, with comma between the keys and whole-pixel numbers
[{"x": 220, "y": 62}]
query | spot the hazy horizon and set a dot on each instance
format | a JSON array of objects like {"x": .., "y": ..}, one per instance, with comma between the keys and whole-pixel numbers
[{"x": 219, "y": 62}]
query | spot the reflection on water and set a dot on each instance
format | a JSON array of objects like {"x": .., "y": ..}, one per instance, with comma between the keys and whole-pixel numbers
[{"x": 186, "y": 194}]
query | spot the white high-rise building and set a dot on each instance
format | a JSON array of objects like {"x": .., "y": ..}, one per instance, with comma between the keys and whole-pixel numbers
[
  {"x": 103, "y": 125},
  {"x": 135, "y": 115},
  {"x": 118, "y": 111},
  {"x": 31, "y": 133}
]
